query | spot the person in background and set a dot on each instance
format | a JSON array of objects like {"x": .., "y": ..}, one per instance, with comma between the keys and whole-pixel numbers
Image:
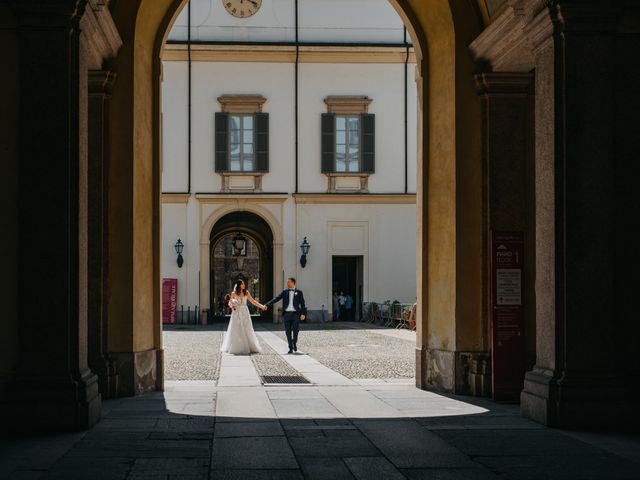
[
  {"x": 348, "y": 305},
  {"x": 342, "y": 300},
  {"x": 336, "y": 306}
]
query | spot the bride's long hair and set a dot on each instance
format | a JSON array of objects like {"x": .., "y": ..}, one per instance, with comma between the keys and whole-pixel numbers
[{"x": 237, "y": 290}]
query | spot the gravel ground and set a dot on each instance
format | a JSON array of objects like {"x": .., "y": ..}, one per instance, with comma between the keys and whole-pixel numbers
[
  {"x": 270, "y": 363},
  {"x": 192, "y": 352},
  {"x": 355, "y": 352}
]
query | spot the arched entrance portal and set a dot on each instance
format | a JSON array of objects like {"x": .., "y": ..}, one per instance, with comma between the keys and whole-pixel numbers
[
  {"x": 451, "y": 322},
  {"x": 253, "y": 264}
]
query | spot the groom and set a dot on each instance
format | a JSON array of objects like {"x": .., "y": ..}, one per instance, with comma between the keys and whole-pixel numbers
[{"x": 295, "y": 311}]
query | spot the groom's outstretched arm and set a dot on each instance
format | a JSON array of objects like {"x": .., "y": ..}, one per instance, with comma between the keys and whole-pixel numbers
[{"x": 274, "y": 300}]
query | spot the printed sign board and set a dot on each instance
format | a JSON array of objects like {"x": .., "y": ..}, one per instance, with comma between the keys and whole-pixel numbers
[
  {"x": 507, "y": 326},
  {"x": 169, "y": 299}
]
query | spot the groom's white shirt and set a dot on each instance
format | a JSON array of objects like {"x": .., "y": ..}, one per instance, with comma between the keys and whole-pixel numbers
[{"x": 290, "y": 306}]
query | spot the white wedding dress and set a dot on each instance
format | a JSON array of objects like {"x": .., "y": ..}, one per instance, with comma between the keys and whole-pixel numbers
[{"x": 240, "y": 338}]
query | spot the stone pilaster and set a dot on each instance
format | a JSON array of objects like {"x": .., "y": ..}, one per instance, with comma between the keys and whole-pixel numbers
[
  {"x": 53, "y": 387},
  {"x": 100, "y": 85},
  {"x": 507, "y": 111},
  {"x": 580, "y": 377}
]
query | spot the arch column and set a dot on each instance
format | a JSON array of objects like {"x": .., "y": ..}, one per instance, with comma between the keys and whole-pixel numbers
[
  {"x": 584, "y": 375},
  {"x": 450, "y": 321},
  {"x": 53, "y": 388}
]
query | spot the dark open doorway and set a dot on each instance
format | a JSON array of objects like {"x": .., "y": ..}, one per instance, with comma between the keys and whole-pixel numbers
[{"x": 347, "y": 277}]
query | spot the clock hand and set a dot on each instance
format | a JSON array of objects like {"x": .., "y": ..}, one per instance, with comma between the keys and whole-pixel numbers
[{"x": 255, "y": 4}]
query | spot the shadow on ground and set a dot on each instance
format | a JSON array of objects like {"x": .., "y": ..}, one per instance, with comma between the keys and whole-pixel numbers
[{"x": 175, "y": 435}]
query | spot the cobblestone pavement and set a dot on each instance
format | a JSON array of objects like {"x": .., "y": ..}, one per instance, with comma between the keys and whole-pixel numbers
[
  {"x": 192, "y": 352},
  {"x": 357, "y": 350},
  {"x": 271, "y": 363}
]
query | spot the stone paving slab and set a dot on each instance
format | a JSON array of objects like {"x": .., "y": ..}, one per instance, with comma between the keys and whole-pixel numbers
[
  {"x": 106, "y": 468},
  {"x": 476, "y": 473},
  {"x": 357, "y": 403},
  {"x": 408, "y": 445},
  {"x": 244, "y": 404},
  {"x": 256, "y": 475},
  {"x": 255, "y": 453},
  {"x": 305, "y": 408},
  {"x": 356, "y": 445},
  {"x": 325, "y": 468},
  {"x": 366, "y": 468},
  {"x": 162, "y": 468},
  {"x": 490, "y": 442},
  {"x": 238, "y": 371},
  {"x": 249, "y": 429},
  {"x": 560, "y": 466}
]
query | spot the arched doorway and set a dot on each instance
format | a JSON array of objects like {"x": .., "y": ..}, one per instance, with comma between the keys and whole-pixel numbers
[
  {"x": 451, "y": 321},
  {"x": 253, "y": 264}
]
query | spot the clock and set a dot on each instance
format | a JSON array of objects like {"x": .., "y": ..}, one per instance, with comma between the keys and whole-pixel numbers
[{"x": 242, "y": 8}]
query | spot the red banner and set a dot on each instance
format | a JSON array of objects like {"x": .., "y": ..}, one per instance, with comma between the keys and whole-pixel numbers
[
  {"x": 507, "y": 326},
  {"x": 169, "y": 299}
]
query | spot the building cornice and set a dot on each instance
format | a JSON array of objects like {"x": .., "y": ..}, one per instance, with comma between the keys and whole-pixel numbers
[
  {"x": 287, "y": 53},
  {"x": 175, "y": 197},
  {"x": 257, "y": 197},
  {"x": 354, "y": 198}
]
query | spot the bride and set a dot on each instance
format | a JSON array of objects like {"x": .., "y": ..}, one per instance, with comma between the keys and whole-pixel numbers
[{"x": 240, "y": 339}]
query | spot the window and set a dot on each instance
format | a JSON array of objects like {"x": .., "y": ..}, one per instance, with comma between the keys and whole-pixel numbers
[
  {"x": 241, "y": 135},
  {"x": 241, "y": 143},
  {"x": 347, "y": 143}
]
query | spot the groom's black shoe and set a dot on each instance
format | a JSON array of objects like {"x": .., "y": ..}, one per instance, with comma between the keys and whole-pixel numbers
[
  {"x": 290, "y": 351},
  {"x": 295, "y": 348}
]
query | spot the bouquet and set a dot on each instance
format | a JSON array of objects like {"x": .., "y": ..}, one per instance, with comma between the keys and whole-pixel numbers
[{"x": 233, "y": 303}]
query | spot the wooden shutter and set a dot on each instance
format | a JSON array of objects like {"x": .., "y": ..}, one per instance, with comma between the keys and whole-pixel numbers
[
  {"x": 262, "y": 141},
  {"x": 328, "y": 142},
  {"x": 368, "y": 142},
  {"x": 222, "y": 142}
]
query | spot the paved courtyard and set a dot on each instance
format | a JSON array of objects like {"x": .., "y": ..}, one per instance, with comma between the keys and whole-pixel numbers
[
  {"x": 226, "y": 423},
  {"x": 356, "y": 350}
]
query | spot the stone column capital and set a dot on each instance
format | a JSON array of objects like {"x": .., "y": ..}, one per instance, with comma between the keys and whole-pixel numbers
[
  {"x": 101, "y": 82},
  {"x": 503, "y": 83}
]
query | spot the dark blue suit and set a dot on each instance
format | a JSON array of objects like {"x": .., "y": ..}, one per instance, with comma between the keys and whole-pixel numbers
[{"x": 291, "y": 319}]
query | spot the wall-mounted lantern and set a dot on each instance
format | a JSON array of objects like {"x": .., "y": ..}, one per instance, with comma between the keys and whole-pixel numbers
[
  {"x": 239, "y": 243},
  {"x": 305, "y": 250},
  {"x": 179, "y": 246}
]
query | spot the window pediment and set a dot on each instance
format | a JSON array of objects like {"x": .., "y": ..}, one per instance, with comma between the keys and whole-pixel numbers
[
  {"x": 241, "y": 103},
  {"x": 348, "y": 103}
]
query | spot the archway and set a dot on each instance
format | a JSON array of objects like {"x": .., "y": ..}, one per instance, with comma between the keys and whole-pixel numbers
[
  {"x": 451, "y": 319},
  {"x": 254, "y": 264}
]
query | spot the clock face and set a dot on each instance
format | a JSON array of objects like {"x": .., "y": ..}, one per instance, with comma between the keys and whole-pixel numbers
[{"x": 242, "y": 8}]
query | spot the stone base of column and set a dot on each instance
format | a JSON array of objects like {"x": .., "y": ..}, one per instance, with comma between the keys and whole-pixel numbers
[
  {"x": 577, "y": 401},
  {"x": 52, "y": 404},
  {"x": 137, "y": 371},
  {"x": 160, "y": 370},
  {"x": 107, "y": 372},
  {"x": 463, "y": 373}
]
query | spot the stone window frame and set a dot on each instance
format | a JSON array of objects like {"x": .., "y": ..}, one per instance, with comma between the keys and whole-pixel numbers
[
  {"x": 348, "y": 105},
  {"x": 242, "y": 104}
]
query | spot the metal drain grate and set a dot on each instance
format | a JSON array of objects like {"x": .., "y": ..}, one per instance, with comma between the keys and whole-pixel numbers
[{"x": 280, "y": 379}]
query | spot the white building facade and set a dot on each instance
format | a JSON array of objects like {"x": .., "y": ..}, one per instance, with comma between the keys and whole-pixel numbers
[{"x": 276, "y": 130}]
